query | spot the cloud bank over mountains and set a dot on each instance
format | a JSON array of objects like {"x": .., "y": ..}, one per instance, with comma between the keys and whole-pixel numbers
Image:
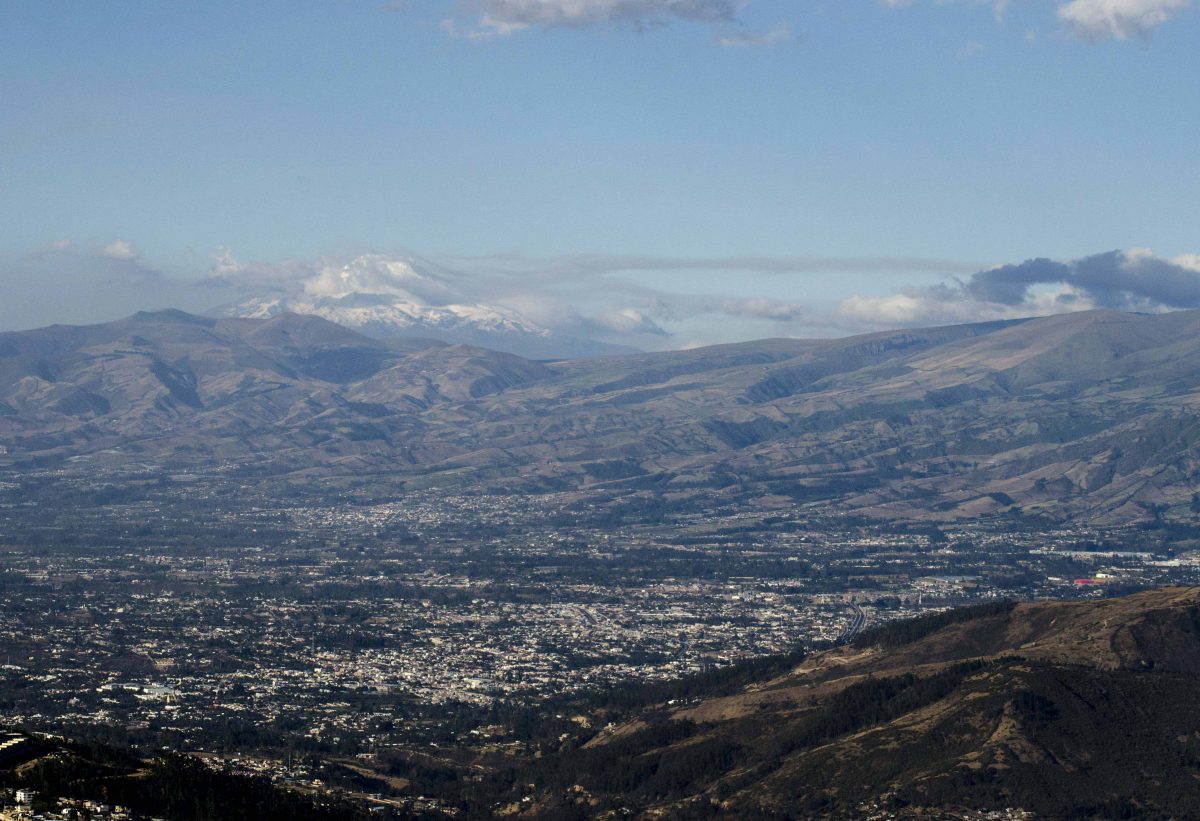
[
  {"x": 396, "y": 296},
  {"x": 590, "y": 304},
  {"x": 569, "y": 305},
  {"x": 1133, "y": 280},
  {"x": 558, "y": 306},
  {"x": 586, "y": 303}
]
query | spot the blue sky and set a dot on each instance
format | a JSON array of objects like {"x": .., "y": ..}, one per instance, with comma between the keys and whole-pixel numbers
[{"x": 954, "y": 135}]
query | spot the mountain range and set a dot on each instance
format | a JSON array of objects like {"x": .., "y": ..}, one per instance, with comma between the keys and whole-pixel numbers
[{"x": 1086, "y": 416}]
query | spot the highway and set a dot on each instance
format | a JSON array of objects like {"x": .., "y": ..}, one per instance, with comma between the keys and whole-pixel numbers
[{"x": 856, "y": 625}]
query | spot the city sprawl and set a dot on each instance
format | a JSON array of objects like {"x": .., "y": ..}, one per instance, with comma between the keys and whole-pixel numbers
[{"x": 359, "y": 625}]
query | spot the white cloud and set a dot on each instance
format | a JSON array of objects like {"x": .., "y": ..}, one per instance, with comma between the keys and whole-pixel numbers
[
  {"x": 775, "y": 310},
  {"x": 504, "y": 17},
  {"x": 380, "y": 274},
  {"x": 1094, "y": 20},
  {"x": 1189, "y": 261},
  {"x": 629, "y": 321},
  {"x": 1118, "y": 19},
  {"x": 228, "y": 271},
  {"x": 120, "y": 249},
  {"x": 998, "y": 6},
  {"x": 944, "y": 306},
  {"x": 893, "y": 309},
  {"x": 756, "y": 39},
  {"x": 51, "y": 247}
]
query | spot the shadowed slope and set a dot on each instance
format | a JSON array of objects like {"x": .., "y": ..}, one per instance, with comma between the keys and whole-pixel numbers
[{"x": 1068, "y": 710}]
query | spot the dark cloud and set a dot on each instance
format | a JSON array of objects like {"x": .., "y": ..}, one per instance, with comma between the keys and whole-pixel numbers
[
  {"x": 1008, "y": 284},
  {"x": 1122, "y": 280},
  {"x": 1134, "y": 280}
]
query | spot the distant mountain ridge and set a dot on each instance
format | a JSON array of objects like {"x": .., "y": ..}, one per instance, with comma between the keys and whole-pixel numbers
[
  {"x": 1092, "y": 416},
  {"x": 204, "y": 381}
]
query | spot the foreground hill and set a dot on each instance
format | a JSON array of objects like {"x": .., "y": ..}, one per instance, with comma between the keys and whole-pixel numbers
[
  {"x": 70, "y": 778},
  {"x": 1062, "y": 710},
  {"x": 1083, "y": 416}
]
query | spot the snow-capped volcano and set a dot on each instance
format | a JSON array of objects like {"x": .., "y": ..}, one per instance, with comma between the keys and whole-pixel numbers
[
  {"x": 384, "y": 315},
  {"x": 385, "y": 297}
]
